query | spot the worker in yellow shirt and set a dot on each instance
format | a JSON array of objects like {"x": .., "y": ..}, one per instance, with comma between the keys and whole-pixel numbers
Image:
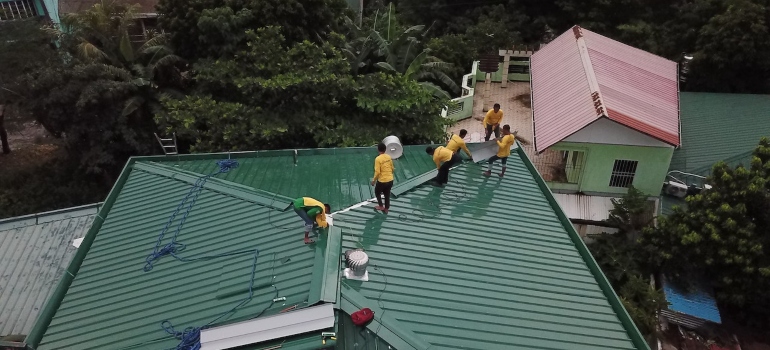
[
  {"x": 383, "y": 178},
  {"x": 492, "y": 121},
  {"x": 504, "y": 150},
  {"x": 456, "y": 142},
  {"x": 444, "y": 159},
  {"x": 308, "y": 208}
]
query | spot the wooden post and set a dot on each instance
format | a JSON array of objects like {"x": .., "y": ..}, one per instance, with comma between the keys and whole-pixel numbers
[
  {"x": 506, "y": 63},
  {"x": 487, "y": 92}
]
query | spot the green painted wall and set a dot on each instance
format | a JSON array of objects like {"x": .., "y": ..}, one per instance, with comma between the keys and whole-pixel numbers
[{"x": 600, "y": 158}]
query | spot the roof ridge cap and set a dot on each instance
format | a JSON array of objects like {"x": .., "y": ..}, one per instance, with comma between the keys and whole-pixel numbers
[
  {"x": 588, "y": 69},
  {"x": 225, "y": 187}
]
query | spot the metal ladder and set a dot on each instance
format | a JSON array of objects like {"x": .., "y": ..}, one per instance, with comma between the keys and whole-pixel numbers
[{"x": 168, "y": 145}]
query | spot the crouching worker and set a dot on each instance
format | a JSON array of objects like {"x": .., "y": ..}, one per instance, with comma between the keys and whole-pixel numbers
[
  {"x": 457, "y": 142},
  {"x": 313, "y": 212},
  {"x": 504, "y": 150},
  {"x": 444, "y": 159}
]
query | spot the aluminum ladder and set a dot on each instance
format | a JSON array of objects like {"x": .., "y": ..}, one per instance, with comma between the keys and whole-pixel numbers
[{"x": 168, "y": 145}]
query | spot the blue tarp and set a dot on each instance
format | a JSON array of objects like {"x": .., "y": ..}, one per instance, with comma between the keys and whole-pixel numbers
[{"x": 698, "y": 302}]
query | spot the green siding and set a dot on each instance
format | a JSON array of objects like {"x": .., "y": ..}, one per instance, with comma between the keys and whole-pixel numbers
[
  {"x": 485, "y": 263},
  {"x": 718, "y": 127},
  {"x": 600, "y": 158},
  {"x": 339, "y": 177},
  {"x": 121, "y": 306}
]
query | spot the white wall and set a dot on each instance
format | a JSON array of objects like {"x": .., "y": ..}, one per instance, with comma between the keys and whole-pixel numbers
[{"x": 606, "y": 131}]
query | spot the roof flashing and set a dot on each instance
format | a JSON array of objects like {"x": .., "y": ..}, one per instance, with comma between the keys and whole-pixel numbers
[{"x": 268, "y": 328}]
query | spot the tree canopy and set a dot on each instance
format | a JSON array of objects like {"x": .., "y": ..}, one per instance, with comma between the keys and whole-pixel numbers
[
  {"x": 723, "y": 236},
  {"x": 277, "y": 94},
  {"x": 216, "y": 28}
]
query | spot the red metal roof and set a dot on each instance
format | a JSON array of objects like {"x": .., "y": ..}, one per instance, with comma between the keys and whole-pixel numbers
[{"x": 582, "y": 76}]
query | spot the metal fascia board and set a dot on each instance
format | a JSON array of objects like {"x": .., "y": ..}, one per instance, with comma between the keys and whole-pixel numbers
[
  {"x": 625, "y": 319},
  {"x": 268, "y": 328}
]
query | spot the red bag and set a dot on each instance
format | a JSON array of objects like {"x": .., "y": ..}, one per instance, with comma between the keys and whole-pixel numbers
[{"x": 362, "y": 317}]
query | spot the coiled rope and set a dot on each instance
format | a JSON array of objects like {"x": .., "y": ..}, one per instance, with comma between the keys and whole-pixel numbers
[{"x": 190, "y": 337}]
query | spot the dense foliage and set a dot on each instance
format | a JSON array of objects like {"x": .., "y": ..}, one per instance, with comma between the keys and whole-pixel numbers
[
  {"x": 626, "y": 269},
  {"x": 101, "y": 95},
  {"x": 728, "y": 39},
  {"x": 723, "y": 237},
  {"x": 217, "y": 28},
  {"x": 52, "y": 185},
  {"x": 274, "y": 94}
]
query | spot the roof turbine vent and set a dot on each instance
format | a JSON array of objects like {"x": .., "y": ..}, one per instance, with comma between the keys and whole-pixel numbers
[{"x": 357, "y": 261}]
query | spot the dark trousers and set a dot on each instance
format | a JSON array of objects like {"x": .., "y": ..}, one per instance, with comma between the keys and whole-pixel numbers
[
  {"x": 491, "y": 128},
  {"x": 443, "y": 170},
  {"x": 383, "y": 189},
  {"x": 309, "y": 223}
]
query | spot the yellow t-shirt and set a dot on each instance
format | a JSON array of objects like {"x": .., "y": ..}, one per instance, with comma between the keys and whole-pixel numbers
[
  {"x": 504, "y": 145},
  {"x": 383, "y": 168},
  {"x": 441, "y": 154},
  {"x": 455, "y": 143},
  {"x": 493, "y": 118}
]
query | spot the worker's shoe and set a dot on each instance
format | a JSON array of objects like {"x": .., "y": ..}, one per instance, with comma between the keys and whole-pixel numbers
[
  {"x": 487, "y": 173},
  {"x": 379, "y": 207},
  {"x": 385, "y": 210},
  {"x": 502, "y": 173}
]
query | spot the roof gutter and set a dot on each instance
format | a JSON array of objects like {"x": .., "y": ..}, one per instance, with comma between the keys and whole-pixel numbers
[
  {"x": 53, "y": 303},
  {"x": 636, "y": 337}
]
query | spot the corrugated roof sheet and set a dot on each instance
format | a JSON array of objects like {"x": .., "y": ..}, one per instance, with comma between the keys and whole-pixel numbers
[
  {"x": 720, "y": 127},
  {"x": 484, "y": 263},
  {"x": 501, "y": 267},
  {"x": 340, "y": 177},
  {"x": 34, "y": 250},
  {"x": 637, "y": 88},
  {"x": 112, "y": 303},
  {"x": 698, "y": 302},
  {"x": 561, "y": 97}
]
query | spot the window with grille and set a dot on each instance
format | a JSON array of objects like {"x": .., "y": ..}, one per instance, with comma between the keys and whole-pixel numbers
[
  {"x": 623, "y": 173},
  {"x": 19, "y": 9}
]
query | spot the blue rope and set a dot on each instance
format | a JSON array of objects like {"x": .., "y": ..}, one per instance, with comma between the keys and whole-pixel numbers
[
  {"x": 171, "y": 248},
  {"x": 190, "y": 336}
]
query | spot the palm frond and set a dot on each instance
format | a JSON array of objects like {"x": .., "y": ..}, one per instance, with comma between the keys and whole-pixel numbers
[
  {"x": 416, "y": 64},
  {"x": 160, "y": 40},
  {"x": 381, "y": 44},
  {"x": 385, "y": 66},
  {"x": 437, "y": 65},
  {"x": 117, "y": 72},
  {"x": 435, "y": 90},
  {"x": 89, "y": 51},
  {"x": 439, "y": 77},
  {"x": 167, "y": 60},
  {"x": 132, "y": 104},
  {"x": 126, "y": 50}
]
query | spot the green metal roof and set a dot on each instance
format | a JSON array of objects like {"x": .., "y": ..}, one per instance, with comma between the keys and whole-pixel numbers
[
  {"x": 339, "y": 177},
  {"x": 34, "y": 250},
  {"x": 113, "y": 303},
  {"x": 484, "y": 263},
  {"x": 719, "y": 127},
  {"x": 501, "y": 267}
]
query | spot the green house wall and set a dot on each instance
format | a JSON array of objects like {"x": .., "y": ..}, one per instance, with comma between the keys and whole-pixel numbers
[{"x": 600, "y": 158}]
